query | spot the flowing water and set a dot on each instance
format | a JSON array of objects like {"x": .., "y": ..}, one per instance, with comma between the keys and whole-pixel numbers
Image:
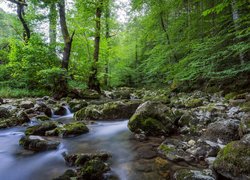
[{"x": 113, "y": 137}]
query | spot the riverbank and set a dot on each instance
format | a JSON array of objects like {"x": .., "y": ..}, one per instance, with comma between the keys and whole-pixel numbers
[{"x": 173, "y": 135}]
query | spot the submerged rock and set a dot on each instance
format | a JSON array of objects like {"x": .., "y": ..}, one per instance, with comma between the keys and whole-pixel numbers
[
  {"x": 186, "y": 174},
  {"x": 107, "y": 111},
  {"x": 93, "y": 170},
  {"x": 81, "y": 159},
  {"x": 90, "y": 166},
  {"x": 154, "y": 119},
  {"x": 233, "y": 161},
  {"x": 67, "y": 175},
  {"x": 36, "y": 143}
]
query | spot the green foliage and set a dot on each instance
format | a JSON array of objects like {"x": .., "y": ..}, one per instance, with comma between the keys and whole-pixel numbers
[
  {"x": 50, "y": 78},
  {"x": 6, "y": 92}
]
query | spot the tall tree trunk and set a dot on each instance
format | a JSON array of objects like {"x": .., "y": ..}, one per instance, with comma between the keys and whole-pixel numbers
[
  {"x": 66, "y": 37},
  {"x": 107, "y": 36},
  {"x": 52, "y": 25},
  {"x": 93, "y": 80},
  {"x": 164, "y": 28},
  {"x": 63, "y": 85},
  {"x": 236, "y": 16},
  {"x": 20, "y": 13}
]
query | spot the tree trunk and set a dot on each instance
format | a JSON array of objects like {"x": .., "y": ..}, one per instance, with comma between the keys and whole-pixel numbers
[
  {"x": 236, "y": 16},
  {"x": 93, "y": 80},
  {"x": 20, "y": 13},
  {"x": 52, "y": 26},
  {"x": 66, "y": 37},
  {"x": 167, "y": 36},
  {"x": 63, "y": 85},
  {"x": 107, "y": 35}
]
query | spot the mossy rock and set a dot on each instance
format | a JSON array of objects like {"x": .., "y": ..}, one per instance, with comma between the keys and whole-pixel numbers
[
  {"x": 186, "y": 174},
  {"x": 42, "y": 117},
  {"x": 231, "y": 95},
  {"x": 192, "y": 103},
  {"x": 245, "y": 106},
  {"x": 81, "y": 159},
  {"x": 89, "y": 166},
  {"x": 72, "y": 129},
  {"x": 4, "y": 113},
  {"x": 172, "y": 153},
  {"x": 67, "y": 175},
  {"x": 107, "y": 111},
  {"x": 233, "y": 161},
  {"x": 41, "y": 129},
  {"x": 35, "y": 143},
  {"x": 94, "y": 170},
  {"x": 153, "y": 118}
]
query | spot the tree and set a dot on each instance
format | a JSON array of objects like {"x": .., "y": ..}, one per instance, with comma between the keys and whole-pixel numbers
[
  {"x": 62, "y": 91},
  {"x": 20, "y": 13},
  {"x": 93, "y": 82}
]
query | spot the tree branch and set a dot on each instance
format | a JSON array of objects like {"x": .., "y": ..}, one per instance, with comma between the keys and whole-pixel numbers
[{"x": 18, "y": 2}]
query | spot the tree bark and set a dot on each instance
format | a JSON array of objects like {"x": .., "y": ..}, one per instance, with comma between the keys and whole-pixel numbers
[
  {"x": 236, "y": 16},
  {"x": 52, "y": 26},
  {"x": 63, "y": 84},
  {"x": 93, "y": 80},
  {"x": 167, "y": 36},
  {"x": 107, "y": 36},
  {"x": 20, "y": 13},
  {"x": 66, "y": 37}
]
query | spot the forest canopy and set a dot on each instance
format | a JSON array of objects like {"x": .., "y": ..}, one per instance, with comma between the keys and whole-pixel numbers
[{"x": 59, "y": 45}]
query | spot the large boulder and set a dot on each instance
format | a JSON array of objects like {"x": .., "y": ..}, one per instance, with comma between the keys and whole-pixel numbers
[
  {"x": 36, "y": 143},
  {"x": 69, "y": 130},
  {"x": 233, "y": 160},
  {"x": 223, "y": 131},
  {"x": 107, "y": 111},
  {"x": 153, "y": 118}
]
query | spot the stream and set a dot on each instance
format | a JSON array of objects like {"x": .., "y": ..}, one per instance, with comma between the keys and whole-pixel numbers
[{"x": 110, "y": 136}]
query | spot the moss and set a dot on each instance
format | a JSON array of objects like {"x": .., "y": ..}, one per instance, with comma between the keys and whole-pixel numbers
[
  {"x": 230, "y": 95},
  {"x": 149, "y": 125},
  {"x": 166, "y": 149},
  {"x": 42, "y": 117},
  {"x": 194, "y": 103},
  {"x": 245, "y": 106},
  {"x": 234, "y": 158},
  {"x": 72, "y": 129}
]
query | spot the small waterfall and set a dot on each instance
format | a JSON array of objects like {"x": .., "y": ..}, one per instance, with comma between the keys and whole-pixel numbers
[{"x": 68, "y": 112}]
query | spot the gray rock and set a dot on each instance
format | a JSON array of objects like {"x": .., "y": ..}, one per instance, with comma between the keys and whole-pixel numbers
[
  {"x": 153, "y": 118},
  {"x": 225, "y": 131},
  {"x": 4, "y": 112},
  {"x": 187, "y": 174},
  {"x": 26, "y": 104},
  {"x": 36, "y": 143}
]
